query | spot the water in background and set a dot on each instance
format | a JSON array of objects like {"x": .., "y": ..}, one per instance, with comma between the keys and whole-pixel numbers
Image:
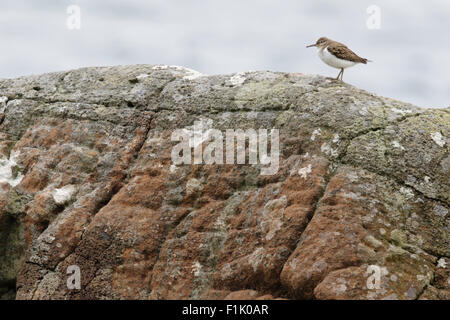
[{"x": 410, "y": 50}]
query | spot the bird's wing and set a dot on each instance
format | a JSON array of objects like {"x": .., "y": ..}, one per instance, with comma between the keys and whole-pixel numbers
[{"x": 343, "y": 52}]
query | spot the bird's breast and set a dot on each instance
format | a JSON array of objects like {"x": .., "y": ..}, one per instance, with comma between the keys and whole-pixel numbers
[{"x": 333, "y": 61}]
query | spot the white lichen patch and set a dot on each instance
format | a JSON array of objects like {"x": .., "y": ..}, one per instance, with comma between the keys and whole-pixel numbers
[
  {"x": 196, "y": 268},
  {"x": 192, "y": 186},
  {"x": 63, "y": 194},
  {"x": 438, "y": 138},
  {"x": 363, "y": 111},
  {"x": 252, "y": 115},
  {"x": 373, "y": 242},
  {"x": 256, "y": 258},
  {"x": 397, "y": 145},
  {"x": 173, "y": 168},
  {"x": 279, "y": 203},
  {"x": 328, "y": 150},
  {"x": 274, "y": 227},
  {"x": 142, "y": 76},
  {"x": 238, "y": 79},
  {"x": 3, "y": 101},
  {"x": 319, "y": 266},
  {"x": 160, "y": 67},
  {"x": 352, "y": 176},
  {"x": 48, "y": 238},
  {"x": 190, "y": 74},
  {"x": 336, "y": 138},
  {"x": 6, "y": 170},
  {"x": 442, "y": 263},
  {"x": 368, "y": 218},
  {"x": 352, "y": 195},
  {"x": 400, "y": 111},
  {"x": 411, "y": 180},
  {"x": 421, "y": 277},
  {"x": 273, "y": 215},
  {"x": 304, "y": 172},
  {"x": 407, "y": 192},
  {"x": 48, "y": 285},
  {"x": 226, "y": 272},
  {"x": 316, "y": 133},
  {"x": 341, "y": 287}
]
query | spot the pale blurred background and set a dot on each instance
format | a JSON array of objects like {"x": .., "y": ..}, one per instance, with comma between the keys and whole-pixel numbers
[{"x": 410, "y": 49}]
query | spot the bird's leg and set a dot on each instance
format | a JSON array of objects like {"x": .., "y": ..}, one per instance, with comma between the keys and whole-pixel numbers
[
  {"x": 342, "y": 74},
  {"x": 339, "y": 75}
]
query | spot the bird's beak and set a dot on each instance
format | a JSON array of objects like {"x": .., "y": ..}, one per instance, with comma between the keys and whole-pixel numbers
[{"x": 311, "y": 45}]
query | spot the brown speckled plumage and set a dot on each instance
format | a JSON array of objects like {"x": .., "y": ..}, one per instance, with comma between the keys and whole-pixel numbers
[{"x": 339, "y": 50}]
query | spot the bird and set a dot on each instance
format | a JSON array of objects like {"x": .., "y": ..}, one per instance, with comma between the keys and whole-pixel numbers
[{"x": 337, "y": 55}]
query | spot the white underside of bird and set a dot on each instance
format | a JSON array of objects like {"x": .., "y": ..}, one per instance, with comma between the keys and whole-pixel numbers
[{"x": 333, "y": 61}]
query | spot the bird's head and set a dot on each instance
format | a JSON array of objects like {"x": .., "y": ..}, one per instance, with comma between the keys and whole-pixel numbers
[{"x": 322, "y": 41}]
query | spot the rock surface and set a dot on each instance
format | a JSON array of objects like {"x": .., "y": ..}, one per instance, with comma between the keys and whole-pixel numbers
[{"x": 359, "y": 208}]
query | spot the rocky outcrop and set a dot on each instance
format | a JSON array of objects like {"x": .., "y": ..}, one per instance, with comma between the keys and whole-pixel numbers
[{"x": 358, "y": 208}]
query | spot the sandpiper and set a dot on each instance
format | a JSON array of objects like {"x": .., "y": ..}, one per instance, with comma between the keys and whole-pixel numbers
[{"x": 337, "y": 55}]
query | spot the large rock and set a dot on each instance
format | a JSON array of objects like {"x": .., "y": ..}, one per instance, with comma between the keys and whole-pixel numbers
[{"x": 359, "y": 208}]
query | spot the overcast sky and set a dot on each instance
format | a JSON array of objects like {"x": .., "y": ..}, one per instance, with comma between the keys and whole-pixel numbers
[{"x": 410, "y": 50}]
